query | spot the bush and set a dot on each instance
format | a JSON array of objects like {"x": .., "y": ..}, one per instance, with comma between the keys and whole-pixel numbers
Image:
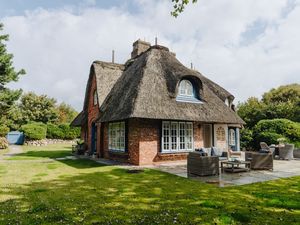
[
  {"x": 3, "y": 143},
  {"x": 246, "y": 138},
  {"x": 54, "y": 132},
  {"x": 3, "y": 130},
  {"x": 271, "y": 130},
  {"x": 69, "y": 132},
  {"x": 34, "y": 131}
]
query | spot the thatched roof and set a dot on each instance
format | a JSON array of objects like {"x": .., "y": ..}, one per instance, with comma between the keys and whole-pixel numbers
[
  {"x": 79, "y": 120},
  {"x": 148, "y": 88},
  {"x": 106, "y": 76}
]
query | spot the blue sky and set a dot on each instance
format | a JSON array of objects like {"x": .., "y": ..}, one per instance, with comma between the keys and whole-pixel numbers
[
  {"x": 247, "y": 46},
  {"x": 17, "y": 7}
]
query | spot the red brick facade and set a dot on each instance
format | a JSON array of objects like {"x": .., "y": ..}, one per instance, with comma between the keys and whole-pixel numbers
[
  {"x": 143, "y": 143},
  {"x": 93, "y": 114}
]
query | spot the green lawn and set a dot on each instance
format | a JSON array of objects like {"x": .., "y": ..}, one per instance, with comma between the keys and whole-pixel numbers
[{"x": 84, "y": 192}]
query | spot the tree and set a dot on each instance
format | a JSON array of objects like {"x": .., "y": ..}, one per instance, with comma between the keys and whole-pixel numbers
[
  {"x": 38, "y": 108},
  {"x": 66, "y": 113},
  {"x": 7, "y": 75},
  {"x": 251, "y": 111},
  {"x": 179, "y": 6},
  {"x": 278, "y": 103}
]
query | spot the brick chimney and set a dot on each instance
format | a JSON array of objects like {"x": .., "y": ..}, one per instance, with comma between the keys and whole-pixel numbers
[{"x": 139, "y": 47}]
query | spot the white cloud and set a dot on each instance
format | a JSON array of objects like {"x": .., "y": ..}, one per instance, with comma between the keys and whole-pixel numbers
[{"x": 56, "y": 47}]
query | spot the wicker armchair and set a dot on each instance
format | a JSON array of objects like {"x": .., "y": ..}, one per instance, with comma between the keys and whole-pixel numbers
[
  {"x": 286, "y": 152},
  {"x": 202, "y": 165},
  {"x": 261, "y": 161}
]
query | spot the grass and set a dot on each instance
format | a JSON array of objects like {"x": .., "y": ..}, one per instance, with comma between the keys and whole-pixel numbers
[
  {"x": 38, "y": 153},
  {"x": 85, "y": 192}
]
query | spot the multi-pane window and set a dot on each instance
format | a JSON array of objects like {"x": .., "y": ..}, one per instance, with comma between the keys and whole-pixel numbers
[
  {"x": 231, "y": 137},
  {"x": 177, "y": 136},
  {"x": 186, "y": 88},
  {"x": 116, "y": 137}
]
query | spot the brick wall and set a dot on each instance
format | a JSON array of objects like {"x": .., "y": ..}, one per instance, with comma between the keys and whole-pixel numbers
[
  {"x": 93, "y": 113},
  {"x": 144, "y": 141}
]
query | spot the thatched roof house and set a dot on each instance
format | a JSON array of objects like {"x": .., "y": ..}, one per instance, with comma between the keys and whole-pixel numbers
[{"x": 154, "y": 94}]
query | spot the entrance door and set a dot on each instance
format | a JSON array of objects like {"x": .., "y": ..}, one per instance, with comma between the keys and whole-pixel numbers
[
  {"x": 207, "y": 135},
  {"x": 94, "y": 138}
]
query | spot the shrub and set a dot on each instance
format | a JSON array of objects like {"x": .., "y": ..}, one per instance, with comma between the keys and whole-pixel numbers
[
  {"x": 3, "y": 130},
  {"x": 3, "y": 143},
  {"x": 34, "y": 131},
  {"x": 54, "y": 132},
  {"x": 271, "y": 130},
  {"x": 69, "y": 132},
  {"x": 246, "y": 138}
]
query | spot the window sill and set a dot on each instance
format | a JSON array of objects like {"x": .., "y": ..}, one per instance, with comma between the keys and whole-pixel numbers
[
  {"x": 176, "y": 152},
  {"x": 188, "y": 99},
  {"x": 117, "y": 151}
]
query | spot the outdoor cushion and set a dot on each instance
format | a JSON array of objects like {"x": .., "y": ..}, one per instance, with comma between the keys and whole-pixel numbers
[
  {"x": 207, "y": 151},
  {"x": 216, "y": 151}
]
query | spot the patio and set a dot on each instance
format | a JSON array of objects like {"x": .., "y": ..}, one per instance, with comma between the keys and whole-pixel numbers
[{"x": 282, "y": 169}]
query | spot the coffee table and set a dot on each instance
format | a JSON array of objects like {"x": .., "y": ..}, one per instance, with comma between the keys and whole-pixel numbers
[{"x": 235, "y": 166}]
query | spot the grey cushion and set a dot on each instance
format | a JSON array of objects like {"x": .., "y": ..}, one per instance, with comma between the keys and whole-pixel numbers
[
  {"x": 216, "y": 151},
  {"x": 207, "y": 151}
]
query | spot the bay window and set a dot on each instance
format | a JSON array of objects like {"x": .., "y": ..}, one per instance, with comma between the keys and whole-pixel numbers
[
  {"x": 177, "y": 136},
  {"x": 116, "y": 136}
]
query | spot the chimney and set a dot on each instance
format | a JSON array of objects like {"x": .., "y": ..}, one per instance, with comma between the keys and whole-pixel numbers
[{"x": 139, "y": 47}]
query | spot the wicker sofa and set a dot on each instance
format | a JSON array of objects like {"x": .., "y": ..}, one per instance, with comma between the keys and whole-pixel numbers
[
  {"x": 202, "y": 165},
  {"x": 260, "y": 161},
  {"x": 286, "y": 152}
]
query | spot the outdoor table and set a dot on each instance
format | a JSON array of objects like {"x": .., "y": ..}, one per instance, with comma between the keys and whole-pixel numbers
[{"x": 234, "y": 166}]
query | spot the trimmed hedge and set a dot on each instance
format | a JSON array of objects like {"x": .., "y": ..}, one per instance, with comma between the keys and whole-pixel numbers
[
  {"x": 69, "y": 132},
  {"x": 54, "y": 132},
  {"x": 62, "y": 131},
  {"x": 39, "y": 131},
  {"x": 34, "y": 131},
  {"x": 3, "y": 130},
  {"x": 270, "y": 130}
]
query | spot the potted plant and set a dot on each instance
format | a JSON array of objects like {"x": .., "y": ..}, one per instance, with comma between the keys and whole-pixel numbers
[
  {"x": 80, "y": 147},
  {"x": 281, "y": 141}
]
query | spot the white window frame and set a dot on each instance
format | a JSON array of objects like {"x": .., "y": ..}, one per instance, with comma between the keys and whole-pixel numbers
[
  {"x": 185, "y": 86},
  {"x": 177, "y": 137},
  {"x": 232, "y": 134},
  {"x": 116, "y": 136}
]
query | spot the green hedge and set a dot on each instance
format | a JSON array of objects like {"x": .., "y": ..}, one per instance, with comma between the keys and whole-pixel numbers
[
  {"x": 54, "y": 132},
  {"x": 38, "y": 131},
  {"x": 3, "y": 130},
  {"x": 270, "y": 130},
  {"x": 69, "y": 132},
  {"x": 34, "y": 131},
  {"x": 62, "y": 131}
]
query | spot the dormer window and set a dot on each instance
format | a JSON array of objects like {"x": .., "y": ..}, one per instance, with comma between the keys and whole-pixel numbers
[
  {"x": 187, "y": 92},
  {"x": 95, "y": 98},
  {"x": 186, "y": 88}
]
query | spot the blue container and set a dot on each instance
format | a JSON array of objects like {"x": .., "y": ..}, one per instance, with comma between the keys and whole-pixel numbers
[{"x": 15, "y": 138}]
